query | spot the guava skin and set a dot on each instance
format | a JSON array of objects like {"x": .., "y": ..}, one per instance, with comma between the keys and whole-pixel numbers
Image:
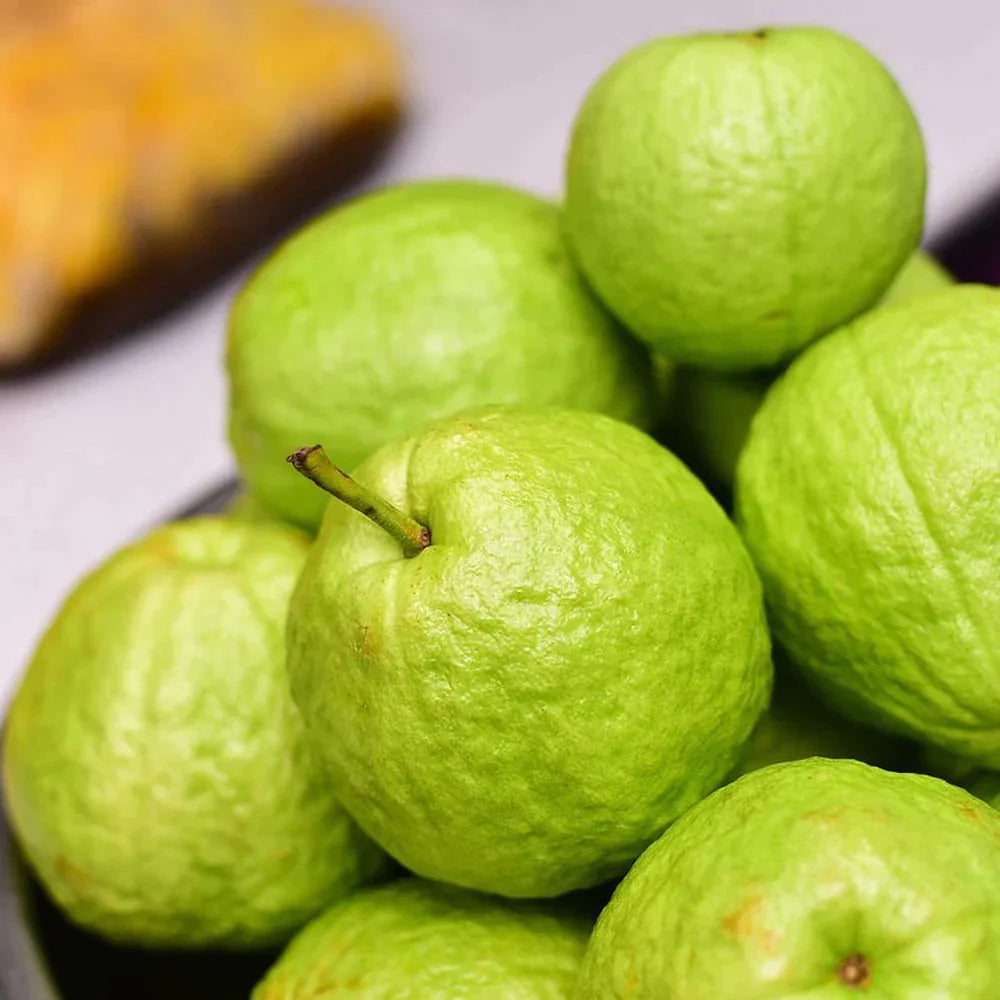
[
  {"x": 731, "y": 197},
  {"x": 416, "y": 940},
  {"x": 155, "y": 768},
  {"x": 868, "y": 494},
  {"x": 819, "y": 879},
  {"x": 797, "y": 725},
  {"x": 404, "y": 307},
  {"x": 707, "y": 414},
  {"x": 576, "y": 659}
]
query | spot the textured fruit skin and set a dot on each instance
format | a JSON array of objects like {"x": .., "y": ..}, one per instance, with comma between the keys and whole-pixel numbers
[
  {"x": 797, "y": 725},
  {"x": 407, "y": 306},
  {"x": 765, "y": 888},
  {"x": 416, "y": 940},
  {"x": 155, "y": 767},
  {"x": 730, "y": 197},
  {"x": 868, "y": 495},
  {"x": 575, "y": 660},
  {"x": 708, "y": 413}
]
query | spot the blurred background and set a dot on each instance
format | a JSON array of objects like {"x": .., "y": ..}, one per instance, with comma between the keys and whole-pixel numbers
[{"x": 100, "y": 446}]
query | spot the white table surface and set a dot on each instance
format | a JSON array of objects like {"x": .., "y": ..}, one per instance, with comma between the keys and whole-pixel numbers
[{"x": 92, "y": 454}]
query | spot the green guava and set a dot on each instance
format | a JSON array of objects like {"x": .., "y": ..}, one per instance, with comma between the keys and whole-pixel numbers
[
  {"x": 416, "y": 940},
  {"x": 576, "y": 658},
  {"x": 920, "y": 275},
  {"x": 981, "y": 781},
  {"x": 707, "y": 417},
  {"x": 730, "y": 197},
  {"x": 707, "y": 414},
  {"x": 246, "y": 507},
  {"x": 155, "y": 768},
  {"x": 818, "y": 879},
  {"x": 986, "y": 786},
  {"x": 798, "y": 725},
  {"x": 407, "y": 306},
  {"x": 868, "y": 493}
]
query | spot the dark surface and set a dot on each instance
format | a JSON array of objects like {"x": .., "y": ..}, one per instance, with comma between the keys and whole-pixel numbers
[{"x": 970, "y": 248}]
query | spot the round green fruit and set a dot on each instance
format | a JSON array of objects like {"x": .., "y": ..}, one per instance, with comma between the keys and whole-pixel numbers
[
  {"x": 731, "y": 197},
  {"x": 575, "y": 659},
  {"x": 415, "y": 940},
  {"x": 820, "y": 878},
  {"x": 708, "y": 414},
  {"x": 407, "y": 306},
  {"x": 155, "y": 768},
  {"x": 707, "y": 420},
  {"x": 920, "y": 275},
  {"x": 797, "y": 725},
  {"x": 246, "y": 507},
  {"x": 868, "y": 493}
]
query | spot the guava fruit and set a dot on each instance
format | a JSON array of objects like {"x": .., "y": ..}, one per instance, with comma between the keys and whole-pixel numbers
[
  {"x": 867, "y": 493},
  {"x": 731, "y": 197},
  {"x": 408, "y": 305},
  {"x": 155, "y": 769},
  {"x": 417, "y": 940},
  {"x": 819, "y": 879},
  {"x": 549, "y": 646}
]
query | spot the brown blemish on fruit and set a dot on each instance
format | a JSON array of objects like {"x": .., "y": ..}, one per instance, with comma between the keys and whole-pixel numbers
[
  {"x": 758, "y": 36},
  {"x": 69, "y": 871},
  {"x": 279, "y": 988},
  {"x": 159, "y": 546},
  {"x": 824, "y": 815},
  {"x": 322, "y": 982},
  {"x": 970, "y": 813},
  {"x": 742, "y": 921},
  {"x": 368, "y": 646},
  {"x": 855, "y": 971},
  {"x": 631, "y": 983},
  {"x": 747, "y": 922}
]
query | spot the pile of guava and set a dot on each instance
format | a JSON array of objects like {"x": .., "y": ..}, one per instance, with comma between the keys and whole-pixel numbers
[{"x": 477, "y": 660}]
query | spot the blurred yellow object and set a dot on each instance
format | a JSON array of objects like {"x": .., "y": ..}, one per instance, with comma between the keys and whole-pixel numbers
[{"x": 143, "y": 141}]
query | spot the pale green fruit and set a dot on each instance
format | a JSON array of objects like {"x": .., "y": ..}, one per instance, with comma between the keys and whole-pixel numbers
[
  {"x": 155, "y": 768},
  {"x": 920, "y": 275},
  {"x": 798, "y": 725},
  {"x": 246, "y": 507},
  {"x": 707, "y": 419},
  {"x": 416, "y": 940},
  {"x": 813, "y": 880},
  {"x": 731, "y": 197},
  {"x": 708, "y": 414},
  {"x": 575, "y": 660},
  {"x": 869, "y": 493},
  {"x": 406, "y": 306}
]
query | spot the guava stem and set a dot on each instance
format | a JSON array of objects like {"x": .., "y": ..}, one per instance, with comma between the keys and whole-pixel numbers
[{"x": 313, "y": 464}]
